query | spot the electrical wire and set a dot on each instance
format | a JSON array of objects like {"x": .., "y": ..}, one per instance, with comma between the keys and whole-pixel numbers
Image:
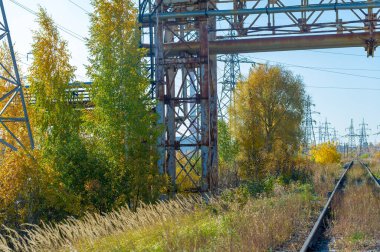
[
  {"x": 343, "y": 88},
  {"x": 319, "y": 69},
  {"x": 80, "y": 7},
  {"x": 330, "y": 68},
  {"x": 337, "y": 53},
  {"x": 62, "y": 28}
]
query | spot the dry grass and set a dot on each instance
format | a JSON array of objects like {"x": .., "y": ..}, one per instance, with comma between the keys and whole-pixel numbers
[
  {"x": 356, "y": 223},
  {"x": 66, "y": 234},
  {"x": 374, "y": 164},
  {"x": 222, "y": 226},
  {"x": 180, "y": 225},
  {"x": 324, "y": 178},
  {"x": 240, "y": 223}
]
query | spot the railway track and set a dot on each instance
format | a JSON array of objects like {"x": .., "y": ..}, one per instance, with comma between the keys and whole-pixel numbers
[{"x": 317, "y": 240}]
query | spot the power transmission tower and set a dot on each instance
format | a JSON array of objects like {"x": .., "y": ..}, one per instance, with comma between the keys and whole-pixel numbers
[
  {"x": 351, "y": 146},
  {"x": 15, "y": 132},
  {"x": 231, "y": 74},
  {"x": 335, "y": 137},
  {"x": 363, "y": 143},
  {"x": 326, "y": 133},
  {"x": 320, "y": 133},
  {"x": 308, "y": 126},
  {"x": 230, "y": 77}
]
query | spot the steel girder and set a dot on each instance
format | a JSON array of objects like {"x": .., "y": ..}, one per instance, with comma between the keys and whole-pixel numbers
[{"x": 15, "y": 131}]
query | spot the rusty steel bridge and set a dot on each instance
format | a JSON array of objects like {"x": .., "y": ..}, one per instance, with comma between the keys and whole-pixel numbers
[{"x": 184, "y": 37}]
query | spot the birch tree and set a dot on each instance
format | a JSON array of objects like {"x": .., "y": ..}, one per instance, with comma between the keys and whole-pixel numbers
[{"x": 122, "y": 120}]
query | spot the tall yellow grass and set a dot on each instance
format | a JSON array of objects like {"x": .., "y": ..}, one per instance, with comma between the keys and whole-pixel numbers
[
  {"x": 280, "y": 222},
  {"x": 48, "y": 237}
]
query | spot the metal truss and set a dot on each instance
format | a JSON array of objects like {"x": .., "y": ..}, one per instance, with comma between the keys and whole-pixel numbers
[
  {"x": 15, "y": 131},
  {"x": 183, "y": 38}
]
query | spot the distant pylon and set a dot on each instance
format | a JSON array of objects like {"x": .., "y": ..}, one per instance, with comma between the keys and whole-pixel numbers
[
  {"x": 363, "y": 143},
  {"x": 230, "y": 76},
  {"x": 326, "y": 133},
  {"x": 335, "y": 137},
  {"x": 15, "y": 130},
  {"x": 351, "y": 145},
  {"x": 320, "y": 133},
  {"x": 308, "y": 126}
]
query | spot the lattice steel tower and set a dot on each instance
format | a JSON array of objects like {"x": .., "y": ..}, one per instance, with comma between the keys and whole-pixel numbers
[
  {"x": 229, "y": 80},
  {"x": 15, "y": 131},
  {"x": 335, "y": 136},
  {"x": 351, "y": 145},
  {"x": 308, "y": 126},
  {"x": 320, "y": 133},
  {"x": 363, "y": 143},
  {"x": 326, "y": 132},
  {"x": 231, "y": 74}
]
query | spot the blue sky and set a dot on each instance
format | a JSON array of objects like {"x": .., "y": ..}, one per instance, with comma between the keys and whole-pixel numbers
[{"x": 340, "y": 65}]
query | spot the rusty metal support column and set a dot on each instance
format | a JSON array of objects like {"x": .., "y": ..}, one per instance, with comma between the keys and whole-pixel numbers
[
  {"x": 171, "y": 127},
  {"x": 205, "y": 106},
  {"x": 213, "y": 172},
  {"x": 160, "y": 91},
  {"x": 209, "y": 114}
]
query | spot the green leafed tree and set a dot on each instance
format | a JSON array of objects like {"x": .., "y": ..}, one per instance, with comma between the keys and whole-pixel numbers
[
  {"x": 122, "y": 120},
  {"x": 228, "y": 151},
  {"x": 267, "y": 115},
  {"x": 55, "y": 122}
]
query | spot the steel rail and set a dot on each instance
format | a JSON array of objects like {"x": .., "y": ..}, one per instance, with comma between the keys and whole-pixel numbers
[
  {"x": 268, "y": 10},
  {"x": 370, "y": 173},
  {"x": 317, "y": 228}
]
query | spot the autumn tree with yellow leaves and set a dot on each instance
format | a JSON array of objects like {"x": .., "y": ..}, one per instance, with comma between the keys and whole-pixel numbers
[
  {"x": 325, "y": 153},
  {"x": 269, "y": 106},
  {"x": 47, "y": 182}
]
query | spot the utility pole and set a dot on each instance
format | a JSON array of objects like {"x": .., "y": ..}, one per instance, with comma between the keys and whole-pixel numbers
[
  {"x": 308, "y": 126},
  {"x": 14, "y": 125}
]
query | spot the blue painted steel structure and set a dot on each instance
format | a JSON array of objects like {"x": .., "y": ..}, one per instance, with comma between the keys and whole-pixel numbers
[{"x": 13, "y": 113}]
